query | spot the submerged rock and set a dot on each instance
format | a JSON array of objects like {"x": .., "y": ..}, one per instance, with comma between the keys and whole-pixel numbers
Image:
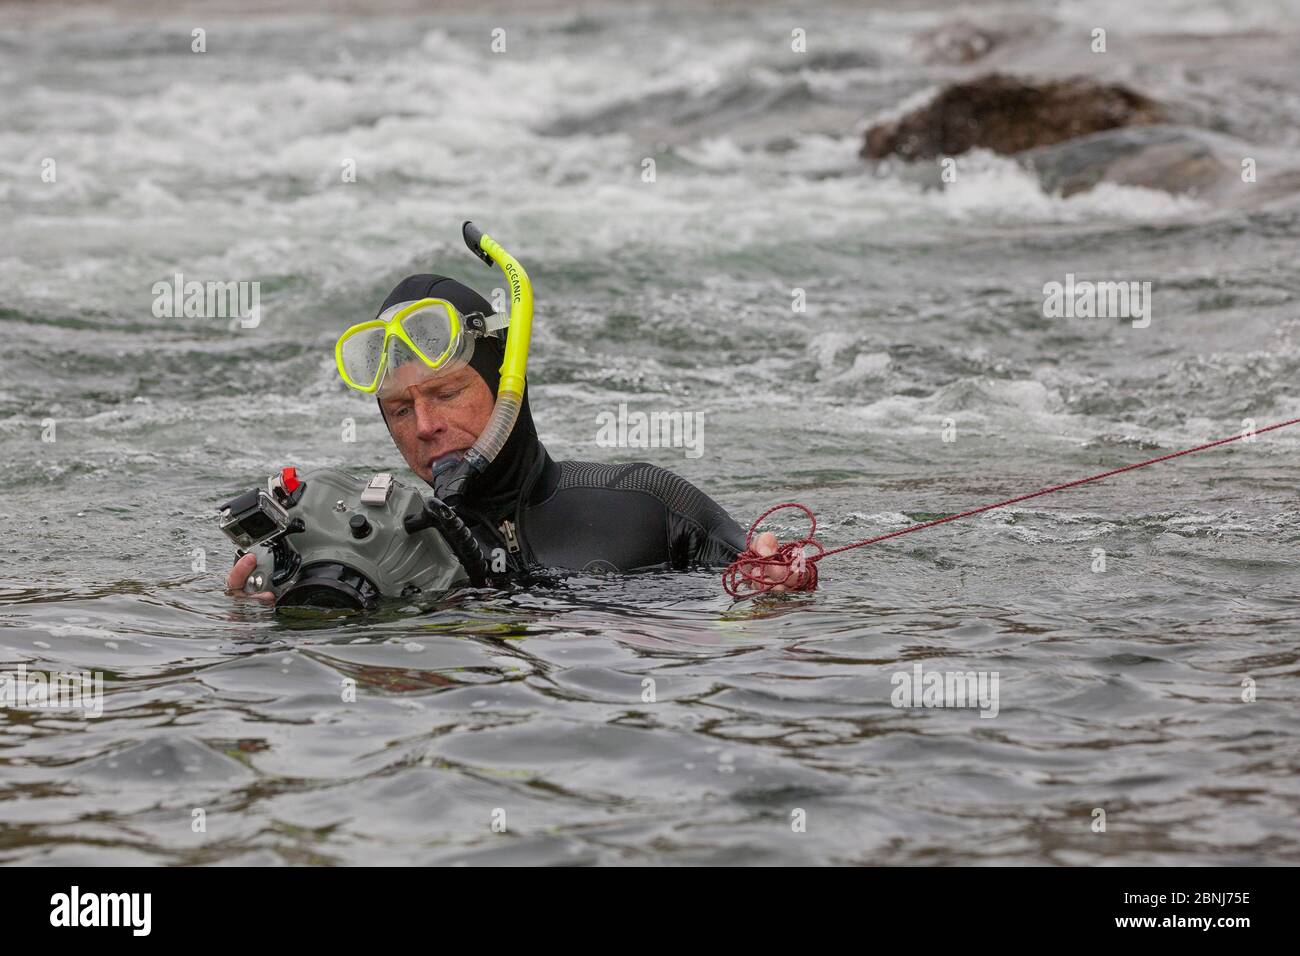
[
  {"x": 1172, "y": 159},
  {"x": 1009, "y": 115},
  {"x": 1175, "y": 159},
  {"x": 957, "y": 42},
  {"x": 962, "y": 41}
]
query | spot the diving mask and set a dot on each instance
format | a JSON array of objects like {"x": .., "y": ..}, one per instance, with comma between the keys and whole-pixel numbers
[{"x": 430, "y": 332}]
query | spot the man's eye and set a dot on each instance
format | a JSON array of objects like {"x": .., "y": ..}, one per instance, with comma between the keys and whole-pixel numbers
[
  {"x": 449, "y": 395},
  {"x": 401, "y": 411}
]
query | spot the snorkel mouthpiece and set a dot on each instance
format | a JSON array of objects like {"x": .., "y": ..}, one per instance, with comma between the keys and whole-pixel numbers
[{"x": 452, "y": 472}]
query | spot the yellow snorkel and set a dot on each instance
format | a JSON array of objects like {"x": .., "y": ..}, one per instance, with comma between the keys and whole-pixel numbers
[
  {"x": 449, "y": 478},
  {"x": 510, "y": 393}
]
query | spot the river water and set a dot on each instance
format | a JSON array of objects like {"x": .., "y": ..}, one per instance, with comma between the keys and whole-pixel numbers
[{"x": 647, "y": 719}]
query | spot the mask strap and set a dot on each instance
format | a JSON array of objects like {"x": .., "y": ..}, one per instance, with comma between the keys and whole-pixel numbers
[{"x": 487, "y": 323}]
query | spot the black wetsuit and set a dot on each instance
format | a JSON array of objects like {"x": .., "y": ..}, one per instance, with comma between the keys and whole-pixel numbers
[
  {"x": 574, "y": 515},
  {"x": 590, "y": 517}
]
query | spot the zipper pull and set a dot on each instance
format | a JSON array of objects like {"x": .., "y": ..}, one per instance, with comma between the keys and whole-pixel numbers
[{"x": 508, "y": 532}]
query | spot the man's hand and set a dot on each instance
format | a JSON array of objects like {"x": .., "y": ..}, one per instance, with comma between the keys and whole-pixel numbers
[
  {"x": 238, "y": 577},
  {"x": 780, "y": 575}
]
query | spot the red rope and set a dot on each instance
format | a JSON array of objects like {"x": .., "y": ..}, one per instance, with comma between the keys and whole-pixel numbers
[{"x": 794, "y": 569}]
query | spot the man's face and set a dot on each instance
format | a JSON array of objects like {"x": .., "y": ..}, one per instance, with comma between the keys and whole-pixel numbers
[{"x": 430, "y": 417}]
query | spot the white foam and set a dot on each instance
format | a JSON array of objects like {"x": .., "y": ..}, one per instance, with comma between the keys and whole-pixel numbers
[{"x": 992, "y": 188}]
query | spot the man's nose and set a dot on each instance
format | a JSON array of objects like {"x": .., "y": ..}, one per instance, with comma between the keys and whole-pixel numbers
[{"x": 428, "y": 423}]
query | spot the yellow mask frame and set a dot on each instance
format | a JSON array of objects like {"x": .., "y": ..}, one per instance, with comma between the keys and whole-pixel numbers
[{"x": 393, "y": 328}]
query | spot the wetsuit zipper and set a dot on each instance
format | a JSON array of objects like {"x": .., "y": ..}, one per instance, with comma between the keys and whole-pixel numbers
[{"x": 507, "y": 529}]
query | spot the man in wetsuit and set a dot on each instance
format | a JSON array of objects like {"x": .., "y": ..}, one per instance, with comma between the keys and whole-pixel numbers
[{"x": 540, "y": 513}]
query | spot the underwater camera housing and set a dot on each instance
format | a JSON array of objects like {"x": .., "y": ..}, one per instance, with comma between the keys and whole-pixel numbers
[{"x": 333, "y": 541}]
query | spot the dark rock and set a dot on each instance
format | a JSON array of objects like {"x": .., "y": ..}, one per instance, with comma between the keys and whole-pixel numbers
[{"x": 1009, "y": 115}]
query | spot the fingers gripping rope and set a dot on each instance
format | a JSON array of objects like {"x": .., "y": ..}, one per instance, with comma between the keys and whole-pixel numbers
[{"x": 792, "y": 565}]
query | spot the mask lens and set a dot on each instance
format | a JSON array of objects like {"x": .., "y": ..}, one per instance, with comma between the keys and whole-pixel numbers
[
  {"x": 361, "y": 353},
  {"x": 403, "y": 369},
  {"x": 431, "y": 329}
]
